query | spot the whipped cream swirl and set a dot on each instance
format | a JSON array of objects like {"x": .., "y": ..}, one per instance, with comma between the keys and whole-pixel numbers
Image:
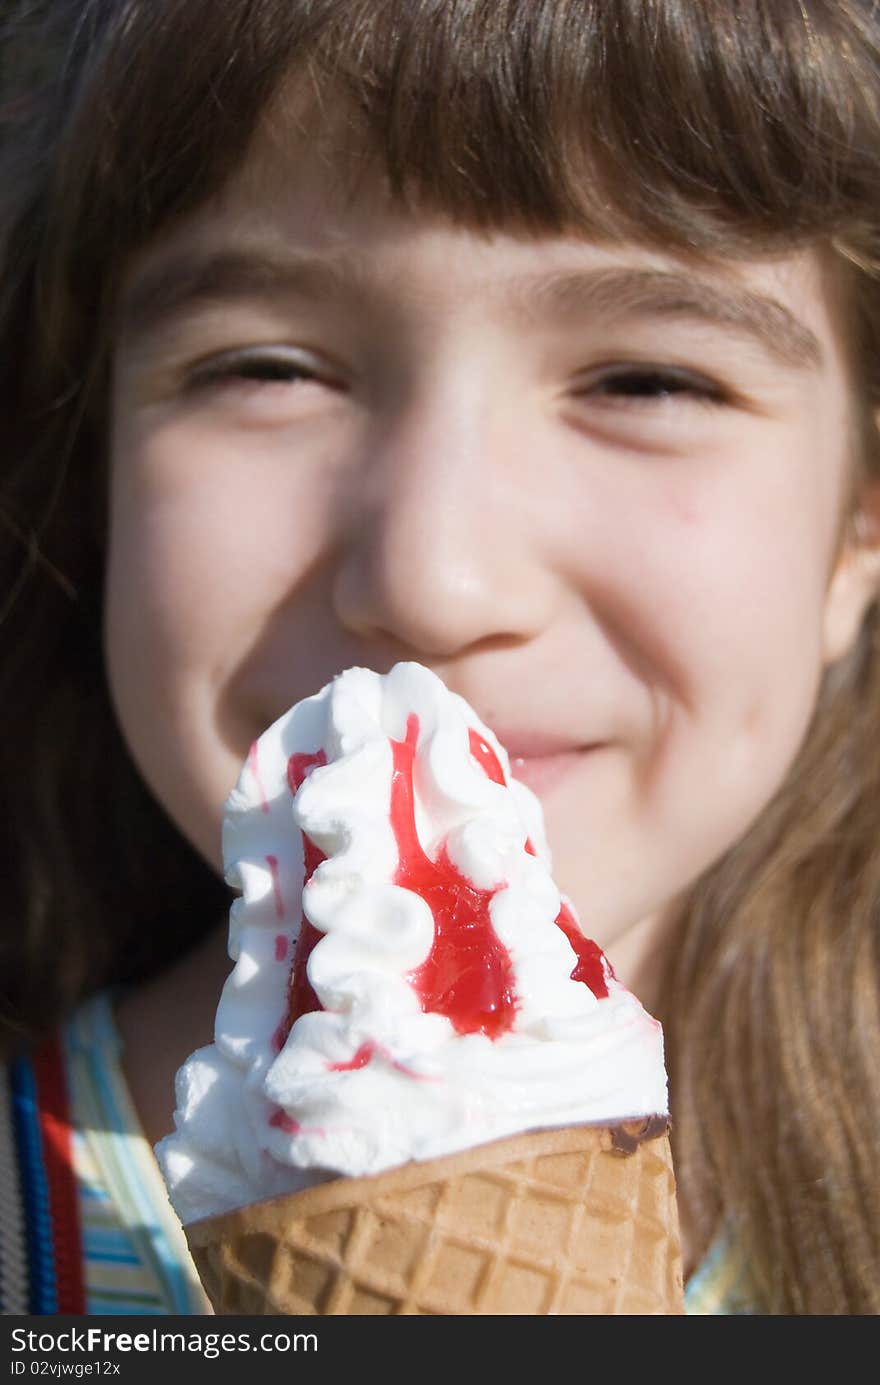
[{"x": 408, "y": 981}]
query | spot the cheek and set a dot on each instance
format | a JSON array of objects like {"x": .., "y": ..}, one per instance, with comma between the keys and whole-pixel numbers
[
  {"x": 713, "y": 581},
  {"x": 734, "y": 565},
  {"x": 738, "y": 600},
  {"x": 209, "y": 535},
  {"x": 207, "y": 540}
]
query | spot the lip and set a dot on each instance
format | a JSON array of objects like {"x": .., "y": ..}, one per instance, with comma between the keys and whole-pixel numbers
[{"x": 541, "y": 764}]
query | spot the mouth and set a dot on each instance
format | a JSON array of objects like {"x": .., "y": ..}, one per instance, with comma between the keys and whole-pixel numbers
[{"x": 542, "y": 766}]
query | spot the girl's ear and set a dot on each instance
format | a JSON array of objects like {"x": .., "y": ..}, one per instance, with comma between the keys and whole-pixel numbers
[{"x": 855, "y": 582}]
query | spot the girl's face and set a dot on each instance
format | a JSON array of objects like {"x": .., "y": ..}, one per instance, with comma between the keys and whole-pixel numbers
[{"x": 596, "y": 488}]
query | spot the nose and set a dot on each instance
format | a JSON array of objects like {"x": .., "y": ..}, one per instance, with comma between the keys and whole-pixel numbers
[{"x": 441, "y": 552}]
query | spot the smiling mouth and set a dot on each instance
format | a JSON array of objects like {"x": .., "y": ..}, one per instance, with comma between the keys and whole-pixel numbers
[{"x": 541, "y": 773}]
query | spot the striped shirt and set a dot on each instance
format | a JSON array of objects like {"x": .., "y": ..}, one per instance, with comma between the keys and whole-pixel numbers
[{"x": 86, "y": 1224}]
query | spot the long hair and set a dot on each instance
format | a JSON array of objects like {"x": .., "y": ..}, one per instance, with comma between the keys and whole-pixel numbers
[{"x": 709, "y": 128}]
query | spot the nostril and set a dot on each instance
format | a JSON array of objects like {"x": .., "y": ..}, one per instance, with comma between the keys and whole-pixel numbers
[
  {"x": 438, "y": 554},
  {"x": 433, "y": 604}
]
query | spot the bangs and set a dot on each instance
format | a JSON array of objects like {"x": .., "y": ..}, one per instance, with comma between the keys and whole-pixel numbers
[
  {"x": 704, "y": 127},
  {"x": 669, "y": 121}
]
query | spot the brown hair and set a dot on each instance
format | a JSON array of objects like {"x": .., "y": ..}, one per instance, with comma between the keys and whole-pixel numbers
[{"x": 712, "y": 128}]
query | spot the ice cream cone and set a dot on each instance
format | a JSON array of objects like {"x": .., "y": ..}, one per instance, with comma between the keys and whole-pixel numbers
[{"x": 580, "y": 1220}]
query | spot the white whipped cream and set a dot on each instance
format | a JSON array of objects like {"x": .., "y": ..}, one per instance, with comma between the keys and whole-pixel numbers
[{"x": 373, "y": 1078}]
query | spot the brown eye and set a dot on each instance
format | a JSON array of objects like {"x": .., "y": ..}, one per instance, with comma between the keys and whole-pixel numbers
[
  {"x": 284, "y": 371},
  {"x": 256, "y": 366},
  {"x": 641, "y": 383}
]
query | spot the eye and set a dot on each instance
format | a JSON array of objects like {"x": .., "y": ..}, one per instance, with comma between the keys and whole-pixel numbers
[
  {"x": 257, "y": 366},
  {"x": 648, "y": 384}
]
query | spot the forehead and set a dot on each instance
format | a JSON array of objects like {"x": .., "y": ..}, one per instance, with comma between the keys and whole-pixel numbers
[{"x": 309, "y": 212}]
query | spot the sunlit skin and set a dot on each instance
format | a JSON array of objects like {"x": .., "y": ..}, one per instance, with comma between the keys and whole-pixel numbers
[{"x": 597, "y": 489}]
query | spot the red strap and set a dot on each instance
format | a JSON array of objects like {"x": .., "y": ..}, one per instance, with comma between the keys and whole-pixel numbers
[{"x": 56, "y": 1135}]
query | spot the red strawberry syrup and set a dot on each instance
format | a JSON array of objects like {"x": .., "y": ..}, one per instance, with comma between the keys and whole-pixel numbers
[
  {"x": 588, "y": 967},
  {"x": 485, "y": 757},
  {"x": 468, "y": 974},
  {"x": 365, "y": 1053}
]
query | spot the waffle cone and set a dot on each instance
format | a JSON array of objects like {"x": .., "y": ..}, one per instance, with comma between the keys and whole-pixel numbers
[{"x": 580, "y": 1220}]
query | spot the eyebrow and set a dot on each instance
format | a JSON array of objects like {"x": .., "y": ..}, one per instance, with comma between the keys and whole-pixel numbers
[
  {"x": 190, "y": 280},
  {"x": 194, "y": 279},
  {"x": 623, "y": 292}
]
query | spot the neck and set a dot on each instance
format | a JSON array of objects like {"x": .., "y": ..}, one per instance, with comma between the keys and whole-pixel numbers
[
  {"x": 166, "y": 1019},
  {"x": 639, "y": 957}
]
